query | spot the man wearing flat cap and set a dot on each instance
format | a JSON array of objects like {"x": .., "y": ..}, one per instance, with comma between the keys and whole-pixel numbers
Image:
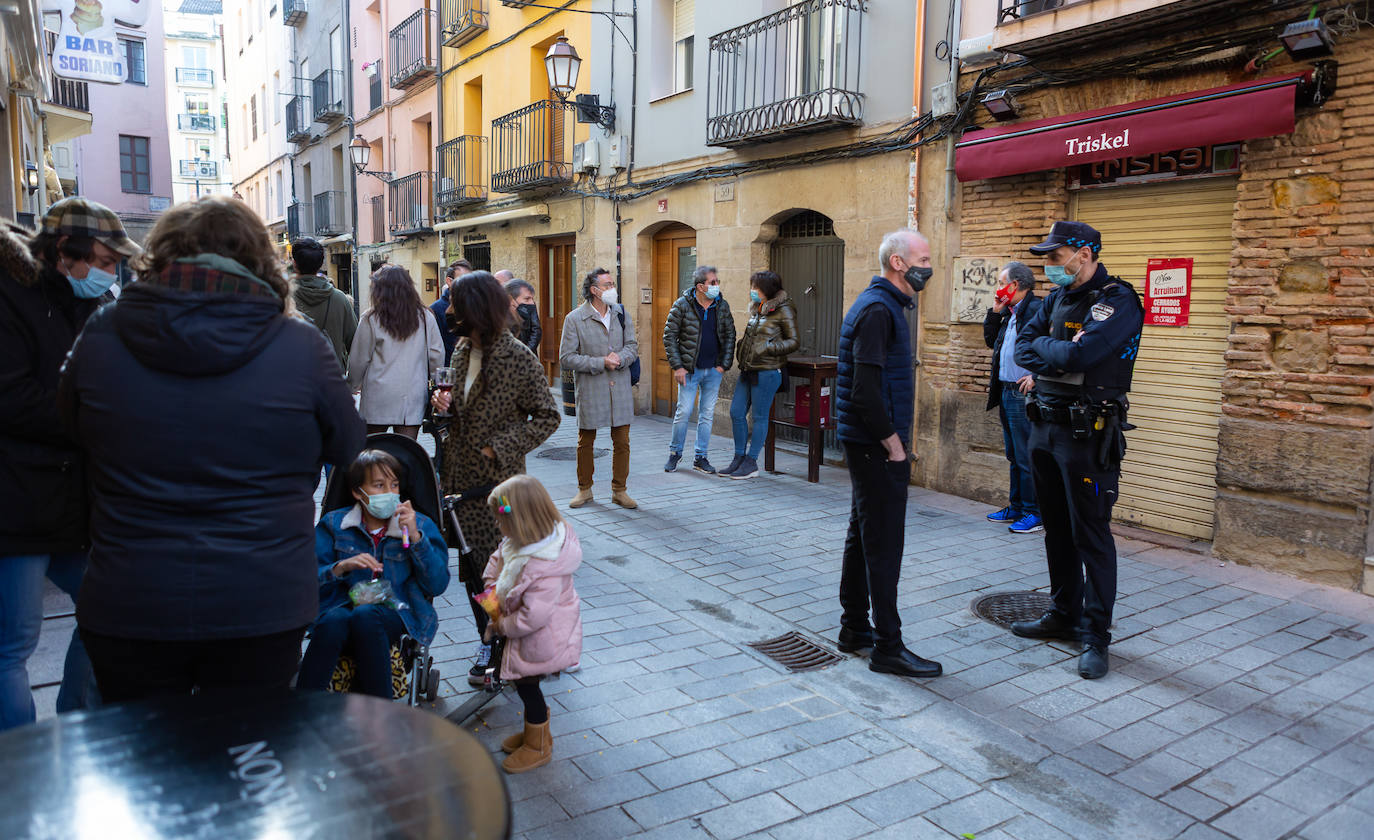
[
  {"x": 1081, "y": 347},
  {"x": 49, "y": 284}
]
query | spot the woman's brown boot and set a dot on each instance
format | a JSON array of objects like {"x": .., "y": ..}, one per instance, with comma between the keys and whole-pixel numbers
[{"x": 536, "y": 751}]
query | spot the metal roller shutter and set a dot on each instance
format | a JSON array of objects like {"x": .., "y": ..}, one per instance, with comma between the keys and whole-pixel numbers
[{"x": 1168, "y": 481}]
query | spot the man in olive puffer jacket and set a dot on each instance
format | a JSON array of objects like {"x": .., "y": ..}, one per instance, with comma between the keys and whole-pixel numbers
[{"x": 699, "y": 340}]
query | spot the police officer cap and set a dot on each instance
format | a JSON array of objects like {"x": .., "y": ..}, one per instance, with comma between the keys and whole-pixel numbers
[{"x": 1072, "y": 234}]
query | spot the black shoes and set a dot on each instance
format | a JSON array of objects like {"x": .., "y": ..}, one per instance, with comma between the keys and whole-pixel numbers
[
  {"x": 854, "y": 641},
  {"x": 1092, "y": 663},
  {"x": 1048, "y": 626},
  {"x": 903, "y": 663},
  {"x": 702, "y": 465}
]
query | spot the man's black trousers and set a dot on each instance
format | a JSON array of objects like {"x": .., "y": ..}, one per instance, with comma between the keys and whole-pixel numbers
[
  {"x": 1076, "y": 497},
  {"x": 873, "y": 548}
]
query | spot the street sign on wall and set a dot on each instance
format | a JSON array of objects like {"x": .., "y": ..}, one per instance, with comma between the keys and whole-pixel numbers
[{"x": 87, "y": 48}]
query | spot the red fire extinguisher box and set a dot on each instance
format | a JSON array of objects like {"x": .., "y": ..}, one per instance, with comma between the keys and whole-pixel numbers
[{"x": 803, "y": 408}]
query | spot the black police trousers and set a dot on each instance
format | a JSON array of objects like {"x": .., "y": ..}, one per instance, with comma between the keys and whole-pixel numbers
[
  {"x": 1076, "y": 498},
  {"x": 873, "y": 548}
]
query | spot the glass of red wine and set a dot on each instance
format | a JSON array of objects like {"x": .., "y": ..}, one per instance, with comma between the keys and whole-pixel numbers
[{"x": 444, "y": 380}]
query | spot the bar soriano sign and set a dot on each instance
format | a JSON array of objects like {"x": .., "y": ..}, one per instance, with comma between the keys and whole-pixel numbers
[{"x": 87, "y": 48}]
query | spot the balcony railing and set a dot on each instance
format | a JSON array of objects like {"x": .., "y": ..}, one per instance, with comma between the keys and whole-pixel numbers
[
  {"x": 327, "y": 93},
  {"x": 377, "y": 212},
  {"x": 195, "y": 122},
  {"x": 199, "y": 169},
  {"x": 374, "y": 88},
  {"x": 195, "y": 76},
  {"x": 793, "y": 71},
  {"x": 292, "y": 12},
  {"x": 68, "y": 94},
  {"x": 1017, "y": 9},
  {"x": 533, "y": 147},
  {"x": 463, "y": 20},
  {"x": 298, "y": 220},
  {"x": 330, "y": 218},
  {"x": 298, "y": 119},
  {"x": 462, "y": 171},
  {"x": 412, "y": 203},
  {"x": 413, "y": 49}
]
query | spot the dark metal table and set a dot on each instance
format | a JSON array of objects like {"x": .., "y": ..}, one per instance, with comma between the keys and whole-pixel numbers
[
  {"x": 312, "y": 765},
  {"x": 814, "y": 370}
]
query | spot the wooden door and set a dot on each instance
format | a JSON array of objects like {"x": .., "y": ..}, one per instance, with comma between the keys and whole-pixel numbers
[
  {"x": 558, "y": 295},
  {"x": 675, "y": 258}
]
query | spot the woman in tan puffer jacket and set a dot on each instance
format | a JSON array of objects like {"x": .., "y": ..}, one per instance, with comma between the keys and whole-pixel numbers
[{"x": 770, "y": 336}]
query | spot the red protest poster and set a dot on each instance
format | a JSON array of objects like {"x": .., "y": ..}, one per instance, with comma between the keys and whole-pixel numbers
[{"x": 1168, "y": 283}]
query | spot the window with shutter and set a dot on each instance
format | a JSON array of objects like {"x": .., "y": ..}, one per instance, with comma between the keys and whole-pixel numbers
[{"x": 684, "y": 29}]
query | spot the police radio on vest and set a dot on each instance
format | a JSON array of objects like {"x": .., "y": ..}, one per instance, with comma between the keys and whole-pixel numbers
[{"x": 1097, "y": 144}]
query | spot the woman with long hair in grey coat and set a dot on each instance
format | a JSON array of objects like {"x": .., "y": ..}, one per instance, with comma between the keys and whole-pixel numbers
[{"x": 395, "y": 352}]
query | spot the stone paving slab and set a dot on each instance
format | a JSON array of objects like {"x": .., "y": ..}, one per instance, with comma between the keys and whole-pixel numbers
[{"x": 1240, "y": 704}]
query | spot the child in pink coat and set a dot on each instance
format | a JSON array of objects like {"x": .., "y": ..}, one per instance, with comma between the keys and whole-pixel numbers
[{"x": 536, "y": 607}]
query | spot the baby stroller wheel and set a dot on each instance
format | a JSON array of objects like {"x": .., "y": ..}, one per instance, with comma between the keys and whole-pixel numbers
[{"x": 432, "y": 685}]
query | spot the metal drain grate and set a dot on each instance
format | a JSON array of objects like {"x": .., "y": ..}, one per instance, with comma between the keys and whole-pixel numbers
[
  {"x": 566, "y": 453},
  {"x": 796, "y": 652},
  {"x": 1002, "y": 608}
]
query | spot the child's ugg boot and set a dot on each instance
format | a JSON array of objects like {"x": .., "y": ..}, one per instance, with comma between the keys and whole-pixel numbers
[
  {"x": 536, "y": 751},
  {"x": 513, "y": 742}
]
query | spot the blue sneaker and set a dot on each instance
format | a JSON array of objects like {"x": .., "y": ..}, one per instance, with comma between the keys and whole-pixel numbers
[
  {"x": 1028, "y": 524},
  {"x": 1006, "y": 514}
]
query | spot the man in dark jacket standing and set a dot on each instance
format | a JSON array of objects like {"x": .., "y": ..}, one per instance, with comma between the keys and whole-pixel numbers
[
  {"x": 699, "y": 339},
  {"x": 440, "y": 306},
  {"x": 328, "y": 308},
  {"x": 47, "y": 290},
  {"x": 1007, "y": 390},
  {"x": 875, "y": 402},
  {"x": 525, "y": 313}
]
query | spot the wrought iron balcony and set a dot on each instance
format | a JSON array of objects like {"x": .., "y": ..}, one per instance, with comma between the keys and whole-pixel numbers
[
  {"x": 462, "y": 20},
  {"x": 330, "y": 214},
  {"x": 533, "y": 147},
  {"x": 68, "y": 94},
  {"x": 298, "y": 220},
  {"x": 199, "y": 169},
  {"x": 196, "y": 76},
  {"x": 411, "y": 201},
  {"x": 292, "y": 12},
  {"x": 1017, "y": 9},
  {"x": 462, "y": 171},
  {"x": 374, "y": 87},
  {"x": 195, "y": 122},
  {"x": 327, "y": 93},
  {"x": 298, "y": 119},
  {"x": 790, "y": 72},
  {"x": 377, "y": 213},
  {"x": 413, "y": 49}
]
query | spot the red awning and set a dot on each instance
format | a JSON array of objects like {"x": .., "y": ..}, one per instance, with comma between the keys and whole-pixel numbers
[{"x": 1227, "y": 114}]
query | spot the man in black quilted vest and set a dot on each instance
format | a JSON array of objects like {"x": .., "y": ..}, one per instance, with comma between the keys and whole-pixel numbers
[
  {"x": 874, "y": 404},
  {"x": 1081, "y": 345}
]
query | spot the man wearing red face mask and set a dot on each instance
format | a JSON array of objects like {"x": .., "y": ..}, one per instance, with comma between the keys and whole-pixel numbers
[
  {"x": 1013, "y": 307},
  {"x": 49, "y": 285}
]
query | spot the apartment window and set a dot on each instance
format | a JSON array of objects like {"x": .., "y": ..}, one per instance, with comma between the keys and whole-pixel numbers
[
  {"x": 135, "y": 61},
  {"x": 684, "y": 38},
  {"x": 135, "y": 172},
  {"x": 244, "y": 125},
  {"x": 197, "y": 57},
  {"x": 276, "y": 96},
  {"x": 253, "y": 114},
  {"x": 280, "y": 201},
  {"x": 197, "y": 103}
]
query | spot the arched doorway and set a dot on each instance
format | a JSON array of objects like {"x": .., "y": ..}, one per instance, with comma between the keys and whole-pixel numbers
[
  {"x": 810, "y": 259},
  {"x": 674, "y": 260}
]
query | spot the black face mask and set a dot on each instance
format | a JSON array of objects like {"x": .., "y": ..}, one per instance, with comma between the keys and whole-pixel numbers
[
  {"x": 455, "y": 326},
  {"x": 916, "y": 277},
  {"x": 527, "y": 311}
]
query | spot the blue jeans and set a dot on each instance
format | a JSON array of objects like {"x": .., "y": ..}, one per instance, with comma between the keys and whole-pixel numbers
[
  {"x": 1016, "y": 439},
  {"x": 21, "y": 621},
  {"x": 756, "y": 401},
  {"x": 705, "y": 381}
]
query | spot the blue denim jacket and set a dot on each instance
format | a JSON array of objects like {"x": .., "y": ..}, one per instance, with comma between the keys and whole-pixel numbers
[{"x": 417, "y": 574}]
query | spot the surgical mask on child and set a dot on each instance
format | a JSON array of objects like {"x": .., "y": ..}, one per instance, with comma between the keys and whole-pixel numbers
[
  {"x": 383, "y": 505},
  {"x": 755, "y": 296}
]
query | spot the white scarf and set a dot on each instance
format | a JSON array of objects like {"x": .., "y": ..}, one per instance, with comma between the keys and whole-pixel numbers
[{"x": 513, "y": 560}]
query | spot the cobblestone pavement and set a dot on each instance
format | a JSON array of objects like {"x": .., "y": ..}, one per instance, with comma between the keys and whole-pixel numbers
[{"x": 1240, "y": 703}]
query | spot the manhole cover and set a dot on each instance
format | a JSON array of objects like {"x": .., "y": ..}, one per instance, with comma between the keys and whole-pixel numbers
[
  {"x": 796, "y": 652},
  {"x": 1002, "y": 608},
  {"x": 566, "y": 453}
]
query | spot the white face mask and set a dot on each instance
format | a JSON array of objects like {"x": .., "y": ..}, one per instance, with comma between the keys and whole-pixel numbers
[{"x": 609, "y": 297}]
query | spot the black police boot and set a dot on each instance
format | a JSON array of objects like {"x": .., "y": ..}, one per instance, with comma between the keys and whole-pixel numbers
[
  {"x": 1092, "y": 663},
  {"x": 854, "y": 641},
  {"x": 1051, "y": 625},
  {"x": 903, "y": 663}
]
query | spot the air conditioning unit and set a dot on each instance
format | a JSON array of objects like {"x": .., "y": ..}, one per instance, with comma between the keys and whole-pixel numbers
[{"x": 587, "y": 157}]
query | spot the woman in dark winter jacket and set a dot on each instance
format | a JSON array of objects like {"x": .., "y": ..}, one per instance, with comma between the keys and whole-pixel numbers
[
  {"x": 205, "y": 409},
  {"x": 769, "y": 338},
  {"x": 48, "y": 288}
]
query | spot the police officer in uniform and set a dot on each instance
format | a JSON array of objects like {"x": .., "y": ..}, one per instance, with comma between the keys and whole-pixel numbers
[{"x": 1081, "y": 346}]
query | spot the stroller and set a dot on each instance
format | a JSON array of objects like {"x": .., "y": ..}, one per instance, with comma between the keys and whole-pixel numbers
[{"x": 421, "y": 487}]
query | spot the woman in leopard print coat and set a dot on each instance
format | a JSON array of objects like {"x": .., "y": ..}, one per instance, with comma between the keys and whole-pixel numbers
[{"x": 502, "y": 409}]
